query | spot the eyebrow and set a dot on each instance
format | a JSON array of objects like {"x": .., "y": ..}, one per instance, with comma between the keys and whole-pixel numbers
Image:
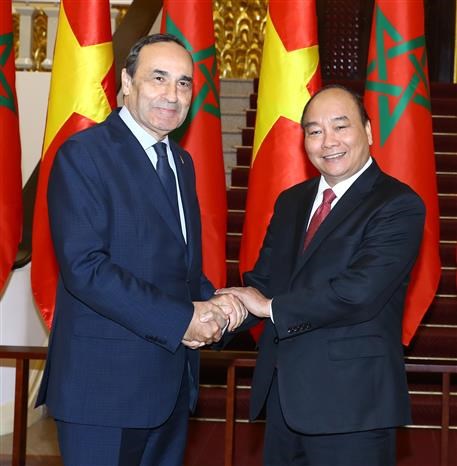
[
  {"x": 166, "y": 73},
  {"x": 336, "y": 119}
]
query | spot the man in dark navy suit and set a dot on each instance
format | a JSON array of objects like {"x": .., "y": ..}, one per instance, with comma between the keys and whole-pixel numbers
[
  {"x": 132, "y": 301},
  {"x": 330, "y": 282}
]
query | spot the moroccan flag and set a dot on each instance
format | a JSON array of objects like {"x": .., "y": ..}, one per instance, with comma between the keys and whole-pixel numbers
[
  {"x": 82, "y": 94},
  {"x": 397, "y": 97},
  {"x": 201, "y": 135},
  {"x": 10, "y": 149},
  {"x": 289, "y": 75}
]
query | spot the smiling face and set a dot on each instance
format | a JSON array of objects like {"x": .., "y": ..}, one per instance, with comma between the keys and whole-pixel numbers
[
  {"x": 158, "y": 95},
  {"x": 336, "y": 140}
]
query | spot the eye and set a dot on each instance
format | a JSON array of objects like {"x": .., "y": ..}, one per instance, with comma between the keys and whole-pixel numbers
[
  {"x": 314, "y": 132},
  {"x": 185, "y": 84},
  {"x": 159, "y": 79},
  {"x": 340, "y": 127}
]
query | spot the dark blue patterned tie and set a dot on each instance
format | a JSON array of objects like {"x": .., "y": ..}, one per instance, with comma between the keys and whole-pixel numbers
[{"x": 166, "y": 175}]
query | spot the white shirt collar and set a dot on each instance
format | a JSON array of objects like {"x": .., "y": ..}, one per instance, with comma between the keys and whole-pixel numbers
[
  {"x": 340, "y": 188},
  {"x": 144, "y": 138}
]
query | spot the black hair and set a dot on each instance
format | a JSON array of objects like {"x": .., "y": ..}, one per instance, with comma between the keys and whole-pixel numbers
[
  {"x": 131, "y": 62},
  {"x": 355, "y": 97}
]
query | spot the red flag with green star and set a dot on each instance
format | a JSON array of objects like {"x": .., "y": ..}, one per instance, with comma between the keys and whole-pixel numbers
[
  {"x": 82, "y": 94},
  {"x": 10, "y": 149},
  {"x": 289, "y": 75},
  {"x": 397, "y": 97},
  {"x": 201, "y": 135}
]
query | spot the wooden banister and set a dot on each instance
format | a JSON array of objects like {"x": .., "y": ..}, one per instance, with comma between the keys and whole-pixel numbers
[
  {"x": 247, "y": 360},
  {"x": 230, "y": 360},
  {"x": 22, "y": 355}
]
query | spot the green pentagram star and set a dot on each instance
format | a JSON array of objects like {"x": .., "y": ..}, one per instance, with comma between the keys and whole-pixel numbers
[
  {"x": 408, "y": 93},
  {"x": 209, "y": 87},
  {"x": 6, "y": 42}
]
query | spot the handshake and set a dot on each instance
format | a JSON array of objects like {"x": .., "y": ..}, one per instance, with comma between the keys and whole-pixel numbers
[{"x": 226, "y": 310}]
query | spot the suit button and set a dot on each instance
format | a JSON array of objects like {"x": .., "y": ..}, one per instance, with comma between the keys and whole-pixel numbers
[
  {"x": 276, "y": 340},
  {"x": 307, "y": 326}
]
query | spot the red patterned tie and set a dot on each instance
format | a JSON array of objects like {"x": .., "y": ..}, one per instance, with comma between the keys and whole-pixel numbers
[{"x": 321, "y": 212}]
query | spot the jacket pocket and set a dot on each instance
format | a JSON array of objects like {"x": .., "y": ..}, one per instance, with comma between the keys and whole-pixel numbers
[{"x": 367, "y": 346}]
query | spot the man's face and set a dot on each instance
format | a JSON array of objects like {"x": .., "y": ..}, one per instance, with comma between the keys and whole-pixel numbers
[
  {"x": 159, "y": 94},
  {"x": 336, "y": 141}
]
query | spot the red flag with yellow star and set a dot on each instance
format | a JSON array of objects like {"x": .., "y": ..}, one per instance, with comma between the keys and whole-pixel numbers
[
  {"x": 397, "y": 97},
  {"x": 82, "y": 94},
  {"x": 289, "y": 75},
  {"x": 201, "y": 135},
  {"x": 10, "y": 149}
]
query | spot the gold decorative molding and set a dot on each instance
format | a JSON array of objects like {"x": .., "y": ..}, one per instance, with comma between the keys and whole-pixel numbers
[
  {"x": 239, "y": 27},
  {"x": 39, "y": 38}
]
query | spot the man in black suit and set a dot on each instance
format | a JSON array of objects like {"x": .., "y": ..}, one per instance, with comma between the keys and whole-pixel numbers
[
  {"x": 330, "y": 368},
  {"x": 132, "y": 302}
]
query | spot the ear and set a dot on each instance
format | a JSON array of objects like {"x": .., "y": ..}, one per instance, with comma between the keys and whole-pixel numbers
[
  {"x": 126, "y": 82},
  {"x": 368, "y": 132}
]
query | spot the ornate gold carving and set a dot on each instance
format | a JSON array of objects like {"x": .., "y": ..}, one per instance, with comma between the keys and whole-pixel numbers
[
  {"x": 16, "y": 33},
  {"x": 39, "y": 38},
  {"x": 239, "y": 27}
]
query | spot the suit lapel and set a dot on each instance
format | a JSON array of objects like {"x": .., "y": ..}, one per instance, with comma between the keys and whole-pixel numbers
[
  {"x": 351, "y": 199},
  {"x": 187, "y": 190},
  {"x": 143, "y": 173}
]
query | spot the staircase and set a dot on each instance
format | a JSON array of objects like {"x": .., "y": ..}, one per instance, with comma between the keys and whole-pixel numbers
[{"x": 436, "y": 339}]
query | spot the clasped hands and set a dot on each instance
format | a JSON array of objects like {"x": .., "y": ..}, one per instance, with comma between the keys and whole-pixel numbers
[{"x": 227, "y": 309}]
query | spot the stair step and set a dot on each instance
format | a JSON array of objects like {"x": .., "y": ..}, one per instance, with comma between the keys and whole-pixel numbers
[
  {"x": 447, "y": 182},
  {"x": 235, "y": 222},
  {"x": 233, "y": 86},
  {"x": 244, "y": 155},
  {"x": 233, "y": 274},
  {"x": 440, "y": 106},
  {"x": 236, "y": 198},
  {"x": 445, "y": 143},
  {"x": 443, "y": 310},
  {"x": 247, "y": 136},
  {"x": 233, "y": 246},
  {"x": 447, "y": 285},
  {"x": 240, "y": 176},
  {"x": 426, "y": 410},
  {"x": 448, "y": 228},
  {"x": 234, "y": 103},
  {"x": 446, "y": 162},
  {"x": 448, "y": 252},
  {"x": 443, "y": 124},
  {"x": 434, "y": 342}
]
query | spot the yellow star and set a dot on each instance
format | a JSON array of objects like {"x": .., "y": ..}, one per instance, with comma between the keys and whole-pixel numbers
[
  {"x": 282, "y": 86},
  {"x": 76, "y": 84}
]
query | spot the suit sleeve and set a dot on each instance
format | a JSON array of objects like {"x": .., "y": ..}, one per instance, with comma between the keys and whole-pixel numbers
[{"x": 79, "y": 223}]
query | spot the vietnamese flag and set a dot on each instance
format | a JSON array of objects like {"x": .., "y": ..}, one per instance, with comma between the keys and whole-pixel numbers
[
  {"x": 192, "y": 22},
  {"x": 82, "y": 94},
  {"x": 397, "y": 97},
  {"x": 10, "y": 149},
  {"x": 289, "y": 75}
]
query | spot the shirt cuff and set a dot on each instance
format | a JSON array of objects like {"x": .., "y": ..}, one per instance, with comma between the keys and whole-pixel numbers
[{"x": 271, "y": 310}]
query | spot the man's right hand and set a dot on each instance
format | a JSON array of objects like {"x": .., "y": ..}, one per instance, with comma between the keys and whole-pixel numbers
[{"x": 206, "y": 325}]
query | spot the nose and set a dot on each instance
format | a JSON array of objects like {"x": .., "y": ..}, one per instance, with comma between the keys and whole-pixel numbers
[
  {"x": 171, "y": 92},
  {"x": 329, "y": 139}
]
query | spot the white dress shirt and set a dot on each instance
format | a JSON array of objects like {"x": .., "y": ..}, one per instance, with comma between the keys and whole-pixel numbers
[{"x": 147, "y": 142}]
